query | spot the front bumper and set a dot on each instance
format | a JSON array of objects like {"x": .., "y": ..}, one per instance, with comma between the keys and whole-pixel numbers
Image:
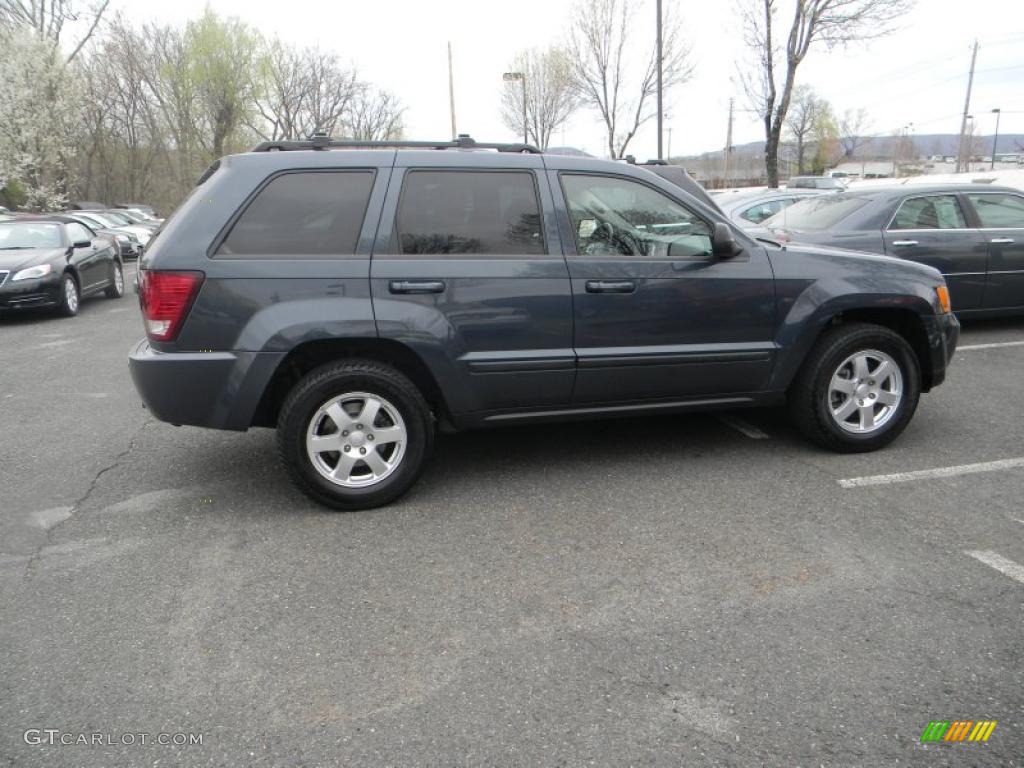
[
  {"x": 943, "y": 335},
  {"x": 26, "y": 294},
  {"x": 219, "y": 390}
]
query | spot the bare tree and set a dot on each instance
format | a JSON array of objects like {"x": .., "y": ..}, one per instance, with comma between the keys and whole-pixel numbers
[
  {"x": 802, "y": 120},
  {"x": 48, "y": 19},
  {"x": 374, "y": 115},
  {"x": 853, "y": 131},
  {"x": 304, "y": 92},
  {"x": 771, "y": 76},
  {"x": 608, "y": 80},
  {"x": 550, "y": 94}
]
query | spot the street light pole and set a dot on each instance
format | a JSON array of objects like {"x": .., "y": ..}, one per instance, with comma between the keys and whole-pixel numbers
[
  {"x": 995, "y": 140},
  {"x": 661, "y": 155},
  {"x": 521, "y": 77}
]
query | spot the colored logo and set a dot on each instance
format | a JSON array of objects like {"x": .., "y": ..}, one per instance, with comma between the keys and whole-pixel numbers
[{"x": 958, "y": 730}]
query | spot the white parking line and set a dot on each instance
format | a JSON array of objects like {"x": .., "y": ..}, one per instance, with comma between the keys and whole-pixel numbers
[
  {"x": 994, "y": 345},
  {"x": 743, "y": 427},
  {"x": 999, "y": 562},
  {"x": 926, "y": 474}
]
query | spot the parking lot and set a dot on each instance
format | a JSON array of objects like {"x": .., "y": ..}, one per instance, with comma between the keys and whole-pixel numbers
[{"x": 676, "y": 591}]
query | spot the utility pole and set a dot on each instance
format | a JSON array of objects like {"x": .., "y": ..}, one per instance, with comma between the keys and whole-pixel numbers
[
  {"x": 451, "y": 91},
  {"x": 967, "y": 108},
  {"x": 995, "y": 140},
  {"x": 661, "y": 111},
  {"x": 668, "y": 149},
  {"x": 728, "y": 144}
]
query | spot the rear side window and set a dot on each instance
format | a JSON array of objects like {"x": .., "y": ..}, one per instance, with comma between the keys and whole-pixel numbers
[
  {"x": 302, "y": 214},
  {"x": 999, "y": 211},
  {"x": 933, "y": 212},
  {"x": 469, "y": 212}
]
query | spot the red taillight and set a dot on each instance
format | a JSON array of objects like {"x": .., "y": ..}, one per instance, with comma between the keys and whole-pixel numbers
[{"x": 166, "y": 298}]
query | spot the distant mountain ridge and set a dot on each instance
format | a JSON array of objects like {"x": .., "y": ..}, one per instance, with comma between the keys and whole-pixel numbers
[{"x": 882, "y": 146}]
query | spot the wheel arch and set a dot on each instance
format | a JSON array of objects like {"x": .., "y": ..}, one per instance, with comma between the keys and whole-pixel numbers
[{"x": 309, "y": 355}]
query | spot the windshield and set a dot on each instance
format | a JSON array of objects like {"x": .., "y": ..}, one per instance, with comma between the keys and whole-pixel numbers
[
  {"x": 18, "y": 235},
  {"x": 813, "y": 213},
  {"x": 119, "y": 218},
  {"x": 99, "y": 220}
]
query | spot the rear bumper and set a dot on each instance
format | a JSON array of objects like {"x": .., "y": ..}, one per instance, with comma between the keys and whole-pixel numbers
[
  {"x": 219, "y": 390},
  {"x": 943, "y": 335}
]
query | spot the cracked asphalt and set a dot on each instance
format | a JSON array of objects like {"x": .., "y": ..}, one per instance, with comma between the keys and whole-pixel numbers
[{"x": 542, "y": 597}]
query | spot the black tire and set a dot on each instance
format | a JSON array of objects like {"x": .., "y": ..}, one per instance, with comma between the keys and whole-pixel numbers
[
  {"x": 333, "y": 380},
  {"x": 809, "y": 396},
  {"x": 65, "y": 306},
  {"x": 112, "y": 291}
]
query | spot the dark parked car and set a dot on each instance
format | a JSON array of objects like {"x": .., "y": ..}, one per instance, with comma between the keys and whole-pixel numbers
[
  {"x": 973, "y": 234},
  {"x": 360, "y": 299},
  {"x": 53, "y": 262}
]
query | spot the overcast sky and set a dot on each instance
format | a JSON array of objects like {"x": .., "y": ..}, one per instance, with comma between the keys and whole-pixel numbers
[{"x": 918, "y": 75}]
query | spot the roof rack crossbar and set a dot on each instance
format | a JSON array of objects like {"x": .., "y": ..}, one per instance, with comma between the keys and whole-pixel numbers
[{"x": 320, "y": 141}]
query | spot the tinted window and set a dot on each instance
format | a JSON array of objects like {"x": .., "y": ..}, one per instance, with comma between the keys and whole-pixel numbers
[
  {"x": 77, "y": 233},
  {"x": 618, "y": 217},
  {"x": 934, "y": 212},
  {"x": 303, "y": 214},
  {"x": 817, "y": 212},
  {"x": 444, "y": 212},
  {"x": 999, "y": 211}
]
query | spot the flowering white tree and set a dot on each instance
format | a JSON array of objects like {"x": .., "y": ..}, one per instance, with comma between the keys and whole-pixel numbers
[{"x": 37, "y": 133}]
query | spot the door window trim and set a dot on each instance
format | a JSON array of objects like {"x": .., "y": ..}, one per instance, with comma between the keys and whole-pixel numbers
[
  {"x": 575, "y": 251},
  {"x": 394, "y": 247}
]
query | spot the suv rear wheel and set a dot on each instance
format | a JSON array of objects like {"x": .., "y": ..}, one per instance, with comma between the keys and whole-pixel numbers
[
  {"x": 858, "y": 389},
  {"x": 354, "y": 435}
]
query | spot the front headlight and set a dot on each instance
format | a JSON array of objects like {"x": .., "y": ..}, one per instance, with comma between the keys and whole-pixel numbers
[{"x": 33, "y": 272}]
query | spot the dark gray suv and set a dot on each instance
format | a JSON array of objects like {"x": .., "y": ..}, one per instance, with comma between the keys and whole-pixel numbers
[{"x": 360, "y": 297}]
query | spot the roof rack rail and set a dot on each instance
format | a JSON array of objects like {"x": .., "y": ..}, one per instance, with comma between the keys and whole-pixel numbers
[{"x": 321, "y": 141}]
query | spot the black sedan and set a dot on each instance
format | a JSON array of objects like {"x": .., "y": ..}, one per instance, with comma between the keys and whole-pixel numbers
[
  {"x": 49, "y": 262},
  {"x": 973, "y": 234}
]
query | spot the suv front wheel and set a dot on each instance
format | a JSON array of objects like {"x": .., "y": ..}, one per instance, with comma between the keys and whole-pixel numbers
[
  {"x": 858, "y": 389},
  {"x": 354, "y": 435}
]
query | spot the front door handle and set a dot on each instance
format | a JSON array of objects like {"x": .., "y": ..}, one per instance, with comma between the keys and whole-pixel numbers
[
  {"x": 610, "y": 286},
  {"x": 416, "y": 286},
  {"x": 1002, "y": 241},
  {"x": 903, "y": 243}
]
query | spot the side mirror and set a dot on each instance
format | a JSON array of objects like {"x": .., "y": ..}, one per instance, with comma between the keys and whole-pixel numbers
[
  {"x": 81, "y": 244},
  {"x": 722, "y": 243}
]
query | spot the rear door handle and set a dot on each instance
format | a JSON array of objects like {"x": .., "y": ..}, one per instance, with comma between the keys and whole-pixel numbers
[
  {"x": 610, "y": 286},
  {"x": 416, "y": 286},
  {"x": 903, "y": 243},
  {"x": 1002, "y": 241}
]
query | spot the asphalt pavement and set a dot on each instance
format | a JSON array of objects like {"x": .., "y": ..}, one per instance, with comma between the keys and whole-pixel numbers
[{"x": 671, "y": 591}]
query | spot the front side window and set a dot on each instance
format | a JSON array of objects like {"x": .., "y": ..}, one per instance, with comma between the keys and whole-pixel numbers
[
  {"x": 998, "y": 211},
  {"x": 469, "y": 212},
  {"x": 934, "y": 212},
  {"x": 618, "y": 217},
  {"x": 78, "y": 233},
  {"x": 302, "y": 214}
]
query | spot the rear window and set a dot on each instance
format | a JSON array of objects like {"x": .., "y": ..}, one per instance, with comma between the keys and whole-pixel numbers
[
  {"x": 469, "y": 212},
  {"x": 817, "y": 212},
  {"x": 302, "y": 214}
]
